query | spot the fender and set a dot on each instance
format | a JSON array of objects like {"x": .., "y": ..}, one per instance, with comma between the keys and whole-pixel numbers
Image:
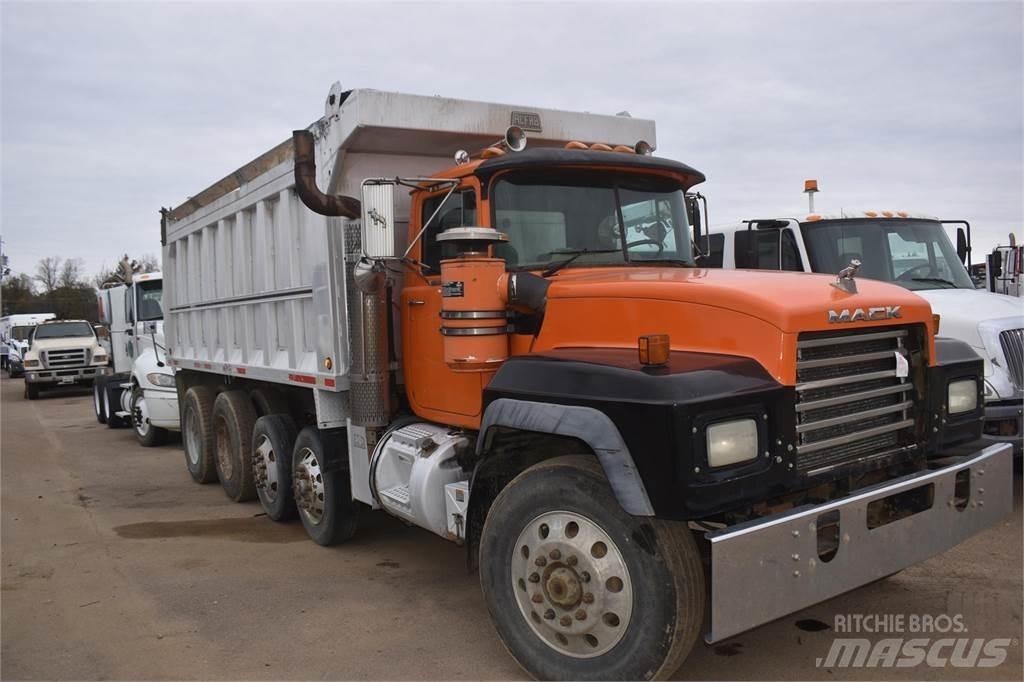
[
  {"x": 954, "y": 360},
  {"x": 589, "y": 425}
]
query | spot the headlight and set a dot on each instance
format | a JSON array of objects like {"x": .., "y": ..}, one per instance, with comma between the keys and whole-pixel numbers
[
  {"x": 731, "y": 442},
  {"x": 31, "y": 363},
  {"x": 963, "y": 396},
  {"x": 99, "y": 358},
  {"x": 161, "y": 379}
]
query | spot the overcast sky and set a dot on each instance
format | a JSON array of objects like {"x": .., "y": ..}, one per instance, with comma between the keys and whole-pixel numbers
[{"x": 110, "y": 111}]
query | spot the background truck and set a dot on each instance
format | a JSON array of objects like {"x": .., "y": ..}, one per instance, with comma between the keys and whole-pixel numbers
[
  {"x": 62, "y": 353},
  {"x": 14, "y": 333},
  {"x": 140, "y": 392},
  {"x": 911, "y": 250},
  {"x": 1004, "y": 268},
  {"x": 514, "y": 350}
]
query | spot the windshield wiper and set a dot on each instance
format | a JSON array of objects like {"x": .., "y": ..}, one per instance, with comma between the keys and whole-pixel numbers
[
  {"x": 934, "y": 279},
  {"x": 678, "y": 262},
  {"x": 576, "y": 253}
]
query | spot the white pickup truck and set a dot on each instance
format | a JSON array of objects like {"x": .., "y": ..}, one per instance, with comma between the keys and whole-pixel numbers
[
  {"x": 62, "y": 352},
  {"x": 140, "y": 393},
  {"x": 913, "y": 251}
]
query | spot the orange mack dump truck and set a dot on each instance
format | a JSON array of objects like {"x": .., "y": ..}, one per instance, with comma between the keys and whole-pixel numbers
[{"x": 516, "y": 351}]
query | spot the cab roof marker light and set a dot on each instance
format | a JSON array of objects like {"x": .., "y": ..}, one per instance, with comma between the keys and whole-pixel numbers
[
  {"x": 623, "y": 149},
  {"x": 871, "y": 214},
  {"x": 887, "y": 214},
  {"x": 600, "y": 147},
  {"x": 575, "y": 144}
]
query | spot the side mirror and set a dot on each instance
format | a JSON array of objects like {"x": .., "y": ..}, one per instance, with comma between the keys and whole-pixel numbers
[
  {"x": 995, "y": 265},
  {"x": 961, "y": 244},
  {"x": 378, "y": 229}
]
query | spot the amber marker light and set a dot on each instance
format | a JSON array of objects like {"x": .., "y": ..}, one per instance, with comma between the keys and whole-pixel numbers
[
  {"x": 654, "y": 349},
  {"x": 935, "y": 324}
]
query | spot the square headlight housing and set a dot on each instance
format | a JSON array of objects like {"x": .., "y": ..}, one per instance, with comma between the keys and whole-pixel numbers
[
  {"x": 962, "y": 396},
  {"x": 731, "y": 442}
]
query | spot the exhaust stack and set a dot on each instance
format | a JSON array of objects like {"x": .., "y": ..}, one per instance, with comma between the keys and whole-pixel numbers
[{"x": 305, "y": 182}]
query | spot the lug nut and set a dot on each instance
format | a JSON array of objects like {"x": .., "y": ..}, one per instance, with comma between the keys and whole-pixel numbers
[
  {"x": 588, "y": 598},
  {"x": 555, "y": 555},
  {"x": 585, "y": 576},
  {"x": 541, "y": 561},
  {"x": 572, "y": 560},
  {"x": 537, "y": 598},
  {"x": 549, "y": 614},
  {"x": 566, "y": 621},
  {"x": 534, "y": 578},
  {"x": 581, "y": 614}
]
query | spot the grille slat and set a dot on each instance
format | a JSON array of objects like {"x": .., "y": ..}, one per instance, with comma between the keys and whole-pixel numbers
[
  {"x": 852, "y": 405},
  {"x": 1012, "y": 341},
  {"x": 57, "y": 359}
]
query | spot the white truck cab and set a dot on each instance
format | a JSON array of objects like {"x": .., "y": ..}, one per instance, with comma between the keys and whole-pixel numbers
[
  {"x": 62, "y": 352},
  {"x": 14, "y": 333},
  {"x": 913, "y": 251},
  {"x": 140, "y": 393}
]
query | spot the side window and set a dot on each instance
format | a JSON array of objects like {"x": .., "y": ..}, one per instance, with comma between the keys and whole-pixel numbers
[
  {"x": 766, "y": 250},
  {"x": 458, "y": 211},
  {"x": 714, "y": 246},
  {"x": 790, "y": 253},
  {"x": 129, "y": 313}
]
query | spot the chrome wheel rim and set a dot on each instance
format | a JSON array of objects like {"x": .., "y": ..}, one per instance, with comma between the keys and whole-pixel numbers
[
  {"x": 140, "y": 416},
  {"x": 571, "y": 584},
  {"x": 96, "y": 400},
  {"x": 192, "y": 438},
  {"x": 308, "y": 485},
  {"x": 265, "y": 469}
]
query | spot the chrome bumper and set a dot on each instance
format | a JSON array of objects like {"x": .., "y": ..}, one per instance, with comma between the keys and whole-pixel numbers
[
  {"x": 766, "y": 569},
  {"x": 65, "y": 376}
]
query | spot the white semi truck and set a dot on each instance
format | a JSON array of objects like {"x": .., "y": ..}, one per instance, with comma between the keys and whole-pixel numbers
[
  {"x": 913, "y": 251},
  {"x": 140, "y": 393},
  {"x": 14, "y": 333},
  {"x": 507, "y": 342}
]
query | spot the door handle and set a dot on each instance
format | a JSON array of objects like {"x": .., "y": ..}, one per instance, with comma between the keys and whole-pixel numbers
[{"x": 416, "y": 301}]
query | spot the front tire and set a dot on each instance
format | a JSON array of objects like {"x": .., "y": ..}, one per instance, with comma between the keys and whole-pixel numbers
[
  {"x": 31, "y": 391},
  {"x": 324, "y": 498},
  {"x": 578, "y": 589},
  {"x": 148, "y": 435},
  {"x": 112, "y": 403},
  {"x": 233, "y": 421}
]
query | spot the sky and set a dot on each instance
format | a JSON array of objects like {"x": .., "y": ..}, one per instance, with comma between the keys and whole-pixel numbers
[{"x": 110, "y": 111}]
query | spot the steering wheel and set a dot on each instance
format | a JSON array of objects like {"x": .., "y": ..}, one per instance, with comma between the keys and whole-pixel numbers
[
  {"x": 909, "y": 275},
  {"x": 641, "y": 242}
]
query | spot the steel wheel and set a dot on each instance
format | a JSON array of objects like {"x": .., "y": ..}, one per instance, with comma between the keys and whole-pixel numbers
[
  {"x": 309, "y": 486},
  {"x": 265, "y": 469},
  {"x": 572, "y": 584},
  {"x": 140, "y": 415},
  {"x": 193, "y": 437}
]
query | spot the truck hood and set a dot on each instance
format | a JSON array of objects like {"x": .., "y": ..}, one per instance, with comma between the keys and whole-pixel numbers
[
  {"x": 67, "y": 342},
  {"x": 789, "y": 301},
  {"x": 963, "y": 310}
]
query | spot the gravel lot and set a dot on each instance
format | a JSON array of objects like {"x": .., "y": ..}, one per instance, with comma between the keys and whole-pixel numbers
[{"x": 117, "y": 566}]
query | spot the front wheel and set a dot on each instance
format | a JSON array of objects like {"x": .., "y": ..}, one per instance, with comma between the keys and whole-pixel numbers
[
  {"x": 578, "y": 589},
  {"x": 31, "y": 391},
  {"x": 148, "y": 435},
  {"x": 98, "y": 404}
]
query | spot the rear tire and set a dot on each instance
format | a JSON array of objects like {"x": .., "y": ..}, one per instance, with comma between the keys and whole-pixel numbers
[
  {"x": 31, "y": 391},
  {"x": 112, "y": 403},
  {"x": 148, "y": 435},
  {"x": 273, "y": 439},
  {"x": 324, "y": 498},
  {"x": 549, "y": 532},
  {"x": 197, "y": 434},
  {"x": 97, "y": 400},
  {"x": 233, "y": 422}
]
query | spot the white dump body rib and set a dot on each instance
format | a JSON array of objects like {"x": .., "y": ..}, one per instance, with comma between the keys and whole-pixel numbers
[{"x": 254, "y": 282}]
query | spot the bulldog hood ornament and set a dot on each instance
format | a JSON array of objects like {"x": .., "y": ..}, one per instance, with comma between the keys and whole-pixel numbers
[{"x": 845, "y": 279}]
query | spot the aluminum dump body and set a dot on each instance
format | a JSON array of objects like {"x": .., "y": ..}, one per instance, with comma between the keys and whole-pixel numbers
[{"x": 254, "y": 282}]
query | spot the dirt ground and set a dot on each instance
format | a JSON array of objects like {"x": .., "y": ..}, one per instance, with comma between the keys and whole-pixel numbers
[{"x": 117, "y": 566}]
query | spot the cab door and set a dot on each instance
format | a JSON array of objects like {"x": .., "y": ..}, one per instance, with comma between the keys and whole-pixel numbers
[{"x": 434, "y": 390}]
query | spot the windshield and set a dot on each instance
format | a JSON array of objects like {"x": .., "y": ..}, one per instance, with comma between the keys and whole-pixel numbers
[
  {"x": 63, "y": 330},
  {"x": 916, "y": 254},
  {"x": 21, "y": 333},
  {"x": 612, "y": 219},
  {"x": 150, "y": 296}
]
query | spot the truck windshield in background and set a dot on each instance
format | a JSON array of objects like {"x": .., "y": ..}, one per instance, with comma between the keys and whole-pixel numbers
[
  {"x": 63, "y": 330},
  {"x": 21, "y": 333},
  {"x": 916, "y": 254},
  {"x": 150, "y": 300},
  {"x": 612, "y": 220}
]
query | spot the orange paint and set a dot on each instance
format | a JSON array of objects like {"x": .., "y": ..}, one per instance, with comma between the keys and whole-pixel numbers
[{"x": 472, "y": 302}]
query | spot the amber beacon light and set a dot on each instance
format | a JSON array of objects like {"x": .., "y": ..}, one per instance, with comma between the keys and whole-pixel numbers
[{"x": 654, "y": 350}]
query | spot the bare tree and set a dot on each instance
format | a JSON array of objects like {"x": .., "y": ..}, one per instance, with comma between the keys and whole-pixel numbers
[
  {"x": 48, "y": 272},
  {"x": 71, "y": 273},
  {"x": 148, "y": 263}
]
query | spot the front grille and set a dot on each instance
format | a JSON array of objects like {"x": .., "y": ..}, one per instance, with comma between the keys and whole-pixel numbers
[
  {"x": 1012, "y": 341},
  {"x": 57, "y": 359},
  {"x": 851, "y": 405}
]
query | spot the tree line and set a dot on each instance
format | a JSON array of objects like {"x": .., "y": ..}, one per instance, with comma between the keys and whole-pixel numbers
[{"x": 62, "y": 287}]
